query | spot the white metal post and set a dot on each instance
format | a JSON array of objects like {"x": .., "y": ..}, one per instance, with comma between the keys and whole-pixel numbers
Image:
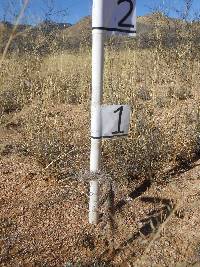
[{"x": 97, "y": 92}]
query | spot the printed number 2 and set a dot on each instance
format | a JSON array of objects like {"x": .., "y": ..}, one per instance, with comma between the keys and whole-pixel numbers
[
  {"x": 120, "y": 110},
  {"x": 122, "y": 21}
]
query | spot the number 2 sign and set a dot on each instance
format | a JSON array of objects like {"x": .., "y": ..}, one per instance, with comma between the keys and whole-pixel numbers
[{"x": 118, "y": 16}]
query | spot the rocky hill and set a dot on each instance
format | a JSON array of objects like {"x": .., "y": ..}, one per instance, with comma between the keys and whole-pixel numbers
[{"x": 50, "y": 36}]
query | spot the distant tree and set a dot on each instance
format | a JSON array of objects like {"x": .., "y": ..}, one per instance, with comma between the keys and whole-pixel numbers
[
  {"x": 50, "y": 11},
  {"x": 185, "y": 12},
  {"x": 10, "y": 10}
]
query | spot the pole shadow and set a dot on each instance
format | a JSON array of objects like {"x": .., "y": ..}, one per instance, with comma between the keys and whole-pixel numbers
[
  {"x": 133, "y": 195},
  {"x": 150, "y": 224}
]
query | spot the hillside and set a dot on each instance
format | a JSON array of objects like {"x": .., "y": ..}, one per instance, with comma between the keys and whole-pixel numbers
[
  {"x": 40, "y": 38},
  {"x": 50, "y": 36},
  {"x": 149, "y": 181}
]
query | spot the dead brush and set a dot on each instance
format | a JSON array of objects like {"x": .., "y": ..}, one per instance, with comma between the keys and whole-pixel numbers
[
  {"x": 20, "y": 82},
  {"x": 163, "y": 128},
  {"x": 160, "y": 83},
  {"x": 52, "y": 135},
  {"x": 68, "y": 78}
]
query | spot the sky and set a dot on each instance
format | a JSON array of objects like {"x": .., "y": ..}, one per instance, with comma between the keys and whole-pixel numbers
[{"x": 73, "y": 10}]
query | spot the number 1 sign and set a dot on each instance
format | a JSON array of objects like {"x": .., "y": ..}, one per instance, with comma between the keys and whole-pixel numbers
[
  {"x": 115, "y": 120},
  {"x": 119, "y": 16}
]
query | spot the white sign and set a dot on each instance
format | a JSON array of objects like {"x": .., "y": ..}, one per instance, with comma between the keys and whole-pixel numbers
[
  {"x": 115, "y": 120},
  {"x": 115, "y": 16}
]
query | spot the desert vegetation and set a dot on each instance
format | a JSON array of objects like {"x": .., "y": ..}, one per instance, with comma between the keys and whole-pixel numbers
[
  {"x": 161, "y": 85},
  {"x": 45, "y": 102}
]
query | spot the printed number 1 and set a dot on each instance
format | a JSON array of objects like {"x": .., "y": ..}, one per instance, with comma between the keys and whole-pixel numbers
[{"x": 120, "y": 110}]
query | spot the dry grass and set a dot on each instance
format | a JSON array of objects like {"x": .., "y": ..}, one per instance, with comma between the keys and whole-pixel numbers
[{"x": 161, "y": 85}]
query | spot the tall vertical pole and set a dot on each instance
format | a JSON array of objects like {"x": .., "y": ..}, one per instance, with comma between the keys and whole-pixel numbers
[{"x": 97, "y": 93}]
